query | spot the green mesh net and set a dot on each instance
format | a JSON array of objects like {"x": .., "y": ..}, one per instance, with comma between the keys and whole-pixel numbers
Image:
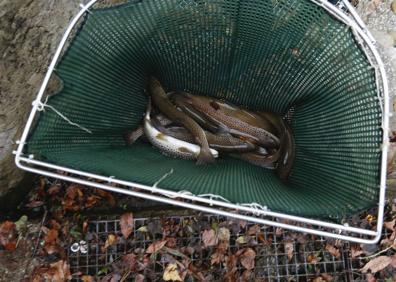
[{"x": 272, "y": 55}]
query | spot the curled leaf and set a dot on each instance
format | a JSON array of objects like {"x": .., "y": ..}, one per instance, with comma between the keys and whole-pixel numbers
[
  {"x": 247, "y": 258},
  {"x": 87, "y": 278},
  {"x": 224, "y": 234},
  {"x": 111, "y": 240},
  {"x": 376, "y": 264},
  {"x": 126, "y": 223},
  {"x": 8, "y": 235},
  {"x": 171, "y": 273},
  {"x": 156, "y": 246},
  {"x": 289, "y": 249},
  {"x": 333, "y": 251},
  {"x": 209, "y": 238}
]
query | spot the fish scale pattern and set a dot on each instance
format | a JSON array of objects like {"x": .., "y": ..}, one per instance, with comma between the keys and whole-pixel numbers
[{"x": 264, "y": 55}]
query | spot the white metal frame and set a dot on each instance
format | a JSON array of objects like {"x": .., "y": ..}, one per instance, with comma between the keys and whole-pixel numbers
[{"x": 212, "y": 204}]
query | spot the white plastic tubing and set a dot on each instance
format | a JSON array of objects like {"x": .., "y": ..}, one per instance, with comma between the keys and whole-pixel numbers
[{"x": 186, "y": 199}]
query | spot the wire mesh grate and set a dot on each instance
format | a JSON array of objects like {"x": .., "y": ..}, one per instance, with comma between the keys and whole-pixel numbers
[{"x": 280, "y": 255}]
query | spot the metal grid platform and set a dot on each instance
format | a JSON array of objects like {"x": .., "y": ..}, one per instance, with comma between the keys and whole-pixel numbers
[{"x": 271, "y": 261}]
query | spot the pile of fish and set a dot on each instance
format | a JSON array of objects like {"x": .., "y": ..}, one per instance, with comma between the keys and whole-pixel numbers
[{"x": 189, "y": 126}]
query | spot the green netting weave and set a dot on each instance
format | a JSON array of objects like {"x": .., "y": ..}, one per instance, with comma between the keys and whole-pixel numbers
[{"x": 267, "y": 55}]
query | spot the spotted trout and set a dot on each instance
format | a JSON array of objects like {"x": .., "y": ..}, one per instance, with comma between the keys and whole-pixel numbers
[
  {"x": 161, "y": 101},
  {"x": 169, "y": 145},
  {"x": 287, "y": 145},
  {"x": 237, "y": 121},
  {"x": 220, "y": 142}
]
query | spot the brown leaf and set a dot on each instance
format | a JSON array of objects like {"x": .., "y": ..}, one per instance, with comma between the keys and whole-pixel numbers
[
  {"x": 253, "y": 230},
  {"x": 209, "y": 238},
  {"x": 376, "y": 264},
  {"x": 333, "y": 251},
  {"x": 51, "y": 237},
  {"x": 247, "y": 258},
  {"x": 356, "y": 251},
  {"x": 278, "y": 231},
  {"x": 139, "y": 278},
  {"x": 390, "y": 225},
  {"x": 370, "y": 278},
  {"x": 91, "y": 201},
  {"x": 8, "y": 235},
  {"x": 130, "y": 262},
  {"x": 156, "y": 246},
  {"x": 312, "y": 259},
  {"x": 111, "y": 240},
  {"x": 72, "y": 198},
  {"x": 34, "y": 204},
  {"x": 171, "y": 273},
  {"x": 54, "y": 189},
  {"x": 85, "y": 227},
  {"x": 54, "y": 224},
  {"x": 126, "y": 223},
  {"x": 171, "y": 242},
  {"x": 224, "y": 234},
  {"x": 62, "y": 271},
  {"x": 106, "y": 195},
  {"x": 393, "y": 262},
  {"x": 218, "y": 256},
  {"x": 327, "y": 277},
  {"x": 242, "y": 223},
  {"x": 87, "y": 278},
  {"x": 289, "y": 249},
  {"x": 57, "y": 271}
]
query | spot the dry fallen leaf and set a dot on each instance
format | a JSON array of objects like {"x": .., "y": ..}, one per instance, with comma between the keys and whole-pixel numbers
[
  {"x": 333, "y": 251},
  {"x": 356, "y": 251},
  {"x": 139, "y": 278},
  {"x": 156, "y": 246},
  {"x": 393, "y": 262},
  {"x": 219, "y": 255},
  {"x": 390, "y": 225},
  {"x": 247, "y": 258},
  {"x": 126, "y": 223},
  {"x": 106, "y": 195},
  {"x": 130, "y": 262},
  {"x": 51, "y": 237},
  {"x": 289, "y": 249},
  {"x": 327, "y": 277},
  {"x": 231, "y": 268},
  {"x": 370, "y": 278},
  {"x": 253, "y": 230},
  {"x": 57, "y": 271},
  {"x": 243, "y": 239},
  {"x": 8, "y": 235},
  {"x": 209, "y": 238},
  {"x": 171, "y": 273},
  {"x": 376, "y": 264},
  {"x": 87, "y": 278},
  {"x": 91, "y": 201},
  {"x": 312, "y": 259},
  {"x": 111, "y": 240},
  {"x": 224, "y": 234}
]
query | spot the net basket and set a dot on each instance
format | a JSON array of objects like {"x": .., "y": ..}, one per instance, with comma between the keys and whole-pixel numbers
[{"x": 307, "y": 60}]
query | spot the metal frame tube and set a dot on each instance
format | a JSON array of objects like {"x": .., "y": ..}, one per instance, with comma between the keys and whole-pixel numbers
[{"x": 358, "y": 27}]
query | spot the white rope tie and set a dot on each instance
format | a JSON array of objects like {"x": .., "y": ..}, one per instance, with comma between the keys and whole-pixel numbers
[
  {"x": 41, "y": 107},
  {"x": 162, "y": 178},
  {"x": 212, "y": 196}
]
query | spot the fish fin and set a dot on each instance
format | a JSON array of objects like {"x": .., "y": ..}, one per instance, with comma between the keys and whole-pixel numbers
[
  {"x": 205, "y": 157},
  {"x": 214, "y": 105},
  {"x": 131, "y": 137},
  {"x": 222, "y": 129}
]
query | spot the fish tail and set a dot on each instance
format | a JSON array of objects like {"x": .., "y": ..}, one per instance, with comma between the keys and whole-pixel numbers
[{"x": 205, "y": 157}]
